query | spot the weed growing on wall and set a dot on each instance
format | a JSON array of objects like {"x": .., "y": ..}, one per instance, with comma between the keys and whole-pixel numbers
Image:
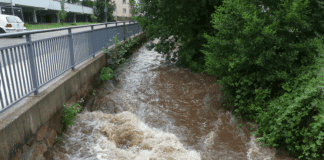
[
  {"x": 117, "y": 53},
  {"x": 93, "y": 92},
  {"x": 106, "y": 74},
  {"x": 56, "y": 141},
  {"x": 70, "y": 112}
]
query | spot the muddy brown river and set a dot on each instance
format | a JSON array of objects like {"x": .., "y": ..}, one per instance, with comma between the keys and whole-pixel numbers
[{"x": 155, "y": 110}]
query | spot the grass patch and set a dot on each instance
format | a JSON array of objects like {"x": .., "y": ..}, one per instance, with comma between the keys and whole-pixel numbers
[{"x": 55, "y": 25}]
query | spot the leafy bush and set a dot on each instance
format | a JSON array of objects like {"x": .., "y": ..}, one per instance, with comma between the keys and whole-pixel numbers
[
  {"x": 117, "y": 53},
  {"x": 93, "y": 18},
  {"x": 253, "y": 55},
  {"x": 295, "y": 120},
  {"x": 258, "y": 60},
  {"x": 70, "y": 112},
  {"x": 106, "y": 74}
]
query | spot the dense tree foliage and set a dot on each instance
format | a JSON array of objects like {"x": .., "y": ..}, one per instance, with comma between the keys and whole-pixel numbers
[
  {"x": 187, "y": 19},
  {"x": 72, "y": 1},
  {"x": 257, "y": 47},
  {"x": 87, "y": 3},
  {"x": 99, "y": 10},
  {"x": 268, "y": 62},
  {"x": 261, "y": 59}
]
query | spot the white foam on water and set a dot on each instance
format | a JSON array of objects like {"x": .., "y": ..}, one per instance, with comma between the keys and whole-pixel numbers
[
  {"x": 97, "y": 135},
  {"x": 257, "y": 152}
]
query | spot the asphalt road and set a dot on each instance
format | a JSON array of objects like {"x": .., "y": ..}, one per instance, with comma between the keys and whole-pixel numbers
[{"x": 5, "y": 42}]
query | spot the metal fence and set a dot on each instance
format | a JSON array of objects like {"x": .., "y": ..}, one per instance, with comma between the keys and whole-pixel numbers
[{"x": 26, "y": 67}]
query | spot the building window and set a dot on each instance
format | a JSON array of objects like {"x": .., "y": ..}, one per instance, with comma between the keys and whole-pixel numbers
[
  {"x": 124, "y": 1},
  {"x": 124, "y": 10}
]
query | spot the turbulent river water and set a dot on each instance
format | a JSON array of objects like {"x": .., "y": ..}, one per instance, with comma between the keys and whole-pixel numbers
[{"x": 158, "y": 111}]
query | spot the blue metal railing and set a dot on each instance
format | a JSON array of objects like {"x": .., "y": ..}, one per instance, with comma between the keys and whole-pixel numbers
[{"x": 26, "y": 67}]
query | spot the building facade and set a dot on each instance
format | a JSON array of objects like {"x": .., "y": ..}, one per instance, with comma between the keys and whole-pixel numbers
[
  {"x": 122, "y": 10},
  {"x": 44, "y": 11}
]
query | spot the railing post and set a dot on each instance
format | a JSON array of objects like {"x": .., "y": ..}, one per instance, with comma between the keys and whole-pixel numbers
[
  {"x": 71, "y": 49},
  {"x": 138, "y": 28},
  {"x": 91, "y": 38},
  {"x": 106, "y": 25},
  {"x": 32, "y": 64},
  {"x": 124, "y": 31}
]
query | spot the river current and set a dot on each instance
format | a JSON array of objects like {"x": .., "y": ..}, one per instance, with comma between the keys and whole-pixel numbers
[{"x": 155, "y": 110}]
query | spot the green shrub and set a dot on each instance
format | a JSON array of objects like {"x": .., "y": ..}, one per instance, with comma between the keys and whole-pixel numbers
[
  {"x": 70, "y": 112},
  {"x": 254, "y": 55},
  {"x": 295, "y": 120},
  {"x": 93, "y": 18},
  {"x": 106, "y": 74},
  {"x": 258, "y": 60},
  {"x": 119, "y": 51},
  {"x": 93, "y": 92}
]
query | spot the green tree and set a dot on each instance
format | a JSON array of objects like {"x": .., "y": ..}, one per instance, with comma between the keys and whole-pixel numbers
[
  {"x": 100, "y": 7},
  {"x": 256, "y": 55},
  {"x": 72, "y": 1},
  {"x": 62, "y": 14},
  {"x": 186, "y": 20},
  {"x": 261, "y": 58},
  {"x": 87, "y": 3}
]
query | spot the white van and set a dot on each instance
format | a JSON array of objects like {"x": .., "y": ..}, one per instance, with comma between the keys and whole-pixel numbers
[{"x": 11, "y": 24}]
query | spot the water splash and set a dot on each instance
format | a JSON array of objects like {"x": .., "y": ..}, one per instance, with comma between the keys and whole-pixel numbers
[{"x": 122, "y": 136}]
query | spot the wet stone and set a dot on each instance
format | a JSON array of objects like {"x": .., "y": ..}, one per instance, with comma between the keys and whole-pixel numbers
[{"x": 41, "y": 133}]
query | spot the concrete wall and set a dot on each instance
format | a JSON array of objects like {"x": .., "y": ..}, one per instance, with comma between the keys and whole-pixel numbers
[{"x": 29, "y": 128}]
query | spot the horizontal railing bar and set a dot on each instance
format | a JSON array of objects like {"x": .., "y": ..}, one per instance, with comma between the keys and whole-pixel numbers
[
  {"x": 47, "y": 39},
  {"x": 98, "y": 29},
  {"x": 54, "y": 29}
]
